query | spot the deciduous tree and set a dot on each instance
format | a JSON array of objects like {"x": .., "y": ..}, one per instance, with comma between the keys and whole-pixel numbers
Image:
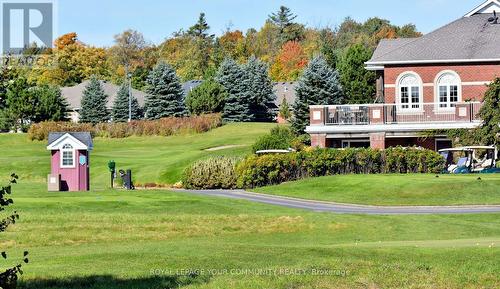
[
  {"x": 357, "y": 82},
  {"x": 289, "y": 63}
]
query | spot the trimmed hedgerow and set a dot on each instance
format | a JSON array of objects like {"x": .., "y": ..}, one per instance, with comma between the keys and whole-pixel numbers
[
  {"x": 213, "y": 173},
  {"x": 162, "y": 127},
  {"x": 257, "y": 171}
]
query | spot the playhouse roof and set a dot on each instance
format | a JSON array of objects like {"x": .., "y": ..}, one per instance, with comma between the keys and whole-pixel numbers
[{"x": 82, "y": 140}]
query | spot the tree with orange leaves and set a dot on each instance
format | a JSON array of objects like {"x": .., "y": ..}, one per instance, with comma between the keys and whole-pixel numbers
[{"x": 289, "y": 63}]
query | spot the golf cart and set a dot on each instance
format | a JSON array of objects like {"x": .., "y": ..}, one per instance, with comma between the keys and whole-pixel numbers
[{"x": 471, "y": 159}]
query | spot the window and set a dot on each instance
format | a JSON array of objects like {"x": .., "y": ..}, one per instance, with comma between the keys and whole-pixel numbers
[
  {"x": 67, "y": 156},
  {"x": 448, "y": 90},
  {"x": 410, "y": 91}
]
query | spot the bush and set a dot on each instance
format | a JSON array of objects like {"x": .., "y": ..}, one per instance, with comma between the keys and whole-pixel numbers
[
  {"x": 256, "y": 171},
  {"x": 208, "y": 97},
  {"x": 280, "y": 138},
  {"x": 213, "y": 173},
  {"x": 162, "y": 127}
]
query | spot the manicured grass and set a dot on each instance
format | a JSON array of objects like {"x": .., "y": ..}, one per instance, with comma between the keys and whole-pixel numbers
[
  {"x": 149, "y": 239},
  {"x": 110, "y": 239},
  {"x": 152, "y": 159},
  {"x": 395, "y": 189}
]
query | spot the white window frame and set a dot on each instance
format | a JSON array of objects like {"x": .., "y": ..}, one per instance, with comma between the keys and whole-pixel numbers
[
  {"x": 67, "y": 148},
  {"x": 437, "y": 91},
  {"x": 410, "y": 103}
]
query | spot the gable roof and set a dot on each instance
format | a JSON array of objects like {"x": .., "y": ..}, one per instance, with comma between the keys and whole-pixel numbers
[
  {"x": 468, "y": 39},
  {"x": 84, "y": 138},
  {"x": 487, "y": 7},
  {"x": 73, "y": 94},
  {"x": 284, "y": 90}
]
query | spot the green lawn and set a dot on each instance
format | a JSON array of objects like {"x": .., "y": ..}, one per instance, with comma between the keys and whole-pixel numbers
[
  {"x": 395, "y": 189},
  {"x": 110, "y": 239},
  {"x": 149, "y": 239},
  {"x": 152, "y": 159}
]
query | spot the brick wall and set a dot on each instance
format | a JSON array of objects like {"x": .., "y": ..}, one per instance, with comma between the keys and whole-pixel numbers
[{"x": 468, "y": 73}]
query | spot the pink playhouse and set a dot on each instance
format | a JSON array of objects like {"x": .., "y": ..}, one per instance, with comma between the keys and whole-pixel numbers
[{"x": 69, "y": 161}]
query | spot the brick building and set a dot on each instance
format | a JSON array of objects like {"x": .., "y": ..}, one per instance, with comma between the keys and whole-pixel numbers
[{"x": 433, "y": 82}]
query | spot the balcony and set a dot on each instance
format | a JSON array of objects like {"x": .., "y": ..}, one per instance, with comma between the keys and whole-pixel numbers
[{"x": 393, "y": 114}]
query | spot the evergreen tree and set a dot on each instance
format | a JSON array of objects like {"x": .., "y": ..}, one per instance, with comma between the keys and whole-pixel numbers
[
  {"x": 93, "y": 104},
  {"x": 358, "y": 82},
  {"x": 201, "y": 28},
  {"x": 121, "y": 106},
  {"x": 51, "y": 104},
  {"x": 489, "y": 131},
  {"x": 319, "y": 85},
  {"x": 285, "y": 110},
  {"x": 208, "y": 97},
  {"x": 165, "y": 94},
  {"x": 261, "y": 88},
  {"x": 288, "y": 30},
  {"x": 237, "y": 85}
]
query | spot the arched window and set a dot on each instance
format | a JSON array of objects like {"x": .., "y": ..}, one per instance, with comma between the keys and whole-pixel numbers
[
  {"x": 67, "y": 156},
  {"x": 448, "y": 89},
  {"x": 409, "y": 91}
]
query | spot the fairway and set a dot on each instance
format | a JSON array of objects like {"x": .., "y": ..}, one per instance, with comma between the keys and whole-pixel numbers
[
  {"x": 110, "y": 239},
  {"x": 152, "y": 159},
  {"x": 410, "y": 190},
  {"x": 150, "y": 239}
]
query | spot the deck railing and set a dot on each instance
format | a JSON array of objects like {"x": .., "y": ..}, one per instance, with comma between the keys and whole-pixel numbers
[{"x": 400, "y": 113}]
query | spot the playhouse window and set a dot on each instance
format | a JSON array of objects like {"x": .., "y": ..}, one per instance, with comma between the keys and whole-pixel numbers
[{"x": 67, "y": 156}]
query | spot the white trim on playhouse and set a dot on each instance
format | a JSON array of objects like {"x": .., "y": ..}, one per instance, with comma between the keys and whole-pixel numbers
[{"x": 68, "y": 139}]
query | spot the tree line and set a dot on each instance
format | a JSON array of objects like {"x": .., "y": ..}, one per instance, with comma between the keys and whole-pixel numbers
[{"x": 232, "y": 66}]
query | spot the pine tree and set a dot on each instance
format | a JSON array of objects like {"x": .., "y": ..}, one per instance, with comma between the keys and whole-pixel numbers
[
  {"x": 165, "y": 96},
  {"x": 237, "y": 85},
  {"x": 261, "y": 88},
  {"x": 285, "y": 110},
  {"x": 288, "y": 30},
  {"x": 200, "y": 29},
  {"x": 93, "y": 104},
  {"x": 319, "y": 85},
  {"x": 121, "y": 106},
  {"x": 358, "y": 82}
]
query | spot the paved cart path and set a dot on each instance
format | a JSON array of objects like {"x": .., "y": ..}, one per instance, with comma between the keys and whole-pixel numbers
[{"x": 320, "y": 206}]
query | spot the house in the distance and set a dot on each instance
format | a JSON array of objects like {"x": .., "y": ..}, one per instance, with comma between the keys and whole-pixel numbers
[
  {"x": 284, "y": 90},
  {"x": 73, "y": 95},
  {"x": 433, "y": 82}
]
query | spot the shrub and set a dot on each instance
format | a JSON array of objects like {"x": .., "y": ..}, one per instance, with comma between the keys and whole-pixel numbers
[
  {"x": 280, "y": 138},
  {"x": 256, "y": 171},
  {"x": 162, "y": 127},
  {"x": 208, "y": 97},
  {"x": 213, "y": 173}
]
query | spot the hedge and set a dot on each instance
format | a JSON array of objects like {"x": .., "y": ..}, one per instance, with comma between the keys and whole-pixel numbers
[
  {"x": 162, "y": 127},
  {"x": 257, "y": 171},
  {"x": 212, "y": 173}
]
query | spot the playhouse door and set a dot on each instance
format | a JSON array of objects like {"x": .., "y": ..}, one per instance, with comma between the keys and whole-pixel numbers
[{"x": 83, "y": 177}]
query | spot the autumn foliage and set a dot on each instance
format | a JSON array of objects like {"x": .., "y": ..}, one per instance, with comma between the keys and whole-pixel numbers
[{"x": 290, "y": 62}]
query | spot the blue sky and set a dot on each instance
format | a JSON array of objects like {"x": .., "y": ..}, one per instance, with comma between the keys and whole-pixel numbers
[{"x": 96, "y": 21}]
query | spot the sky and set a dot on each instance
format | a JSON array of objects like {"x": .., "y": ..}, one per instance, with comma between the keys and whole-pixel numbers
[{"x": 97, "y": 21}]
